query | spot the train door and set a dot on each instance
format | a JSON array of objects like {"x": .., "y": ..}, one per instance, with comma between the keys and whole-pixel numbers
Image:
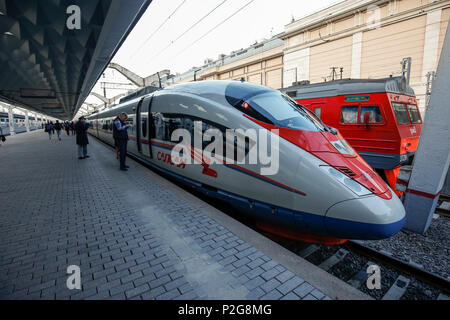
[
  {"x": 96, "y": 125},
  {"x": 142, "y": 128}
]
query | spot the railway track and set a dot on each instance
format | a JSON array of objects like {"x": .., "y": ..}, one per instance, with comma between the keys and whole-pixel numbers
[
  {"x": 443, "y": 209},
  {"x": 350, "y": 263},
  {"x": 401, "y": 266}
]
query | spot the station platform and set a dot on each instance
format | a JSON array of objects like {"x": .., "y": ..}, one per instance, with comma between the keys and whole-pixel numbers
[{"x": 134, "y": 235}]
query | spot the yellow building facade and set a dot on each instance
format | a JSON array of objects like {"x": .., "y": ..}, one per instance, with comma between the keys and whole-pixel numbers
[{"x": 368, "y": 39}]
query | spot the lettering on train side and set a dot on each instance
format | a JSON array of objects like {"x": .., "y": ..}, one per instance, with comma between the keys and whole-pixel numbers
[{"x": 167, "y": 158}]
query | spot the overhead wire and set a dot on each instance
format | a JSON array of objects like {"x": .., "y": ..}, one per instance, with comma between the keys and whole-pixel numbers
[
  {"x": 189, "y": 29},
  {"x": 157, "y": 29},
  {"x": 215, "y": 27}
]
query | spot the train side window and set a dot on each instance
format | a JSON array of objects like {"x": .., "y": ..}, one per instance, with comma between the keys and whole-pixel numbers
[
  {"x": 414, "y": 114},
  {"x": 130, "y": 121},
  {"x": 144, "y": 126},
  {"x": 373, "y": 112},
  {"x": 349, "y": 114},
  {"x": 400, "y": 113}
]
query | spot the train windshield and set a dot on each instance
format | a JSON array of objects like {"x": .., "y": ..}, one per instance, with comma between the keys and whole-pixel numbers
[
  {"x": 414, "y": 114},
  {"x": 400, "y": 113},
  {"x": 281, "y": 111}
]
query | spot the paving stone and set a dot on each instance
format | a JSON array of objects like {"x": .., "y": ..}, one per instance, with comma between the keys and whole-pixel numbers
[
  {"x": 255, "y": 294},
  {"x": 191, "y": 295},
  {"x": 270, "y": 285},
  {"x": 153, "y": 293},
  {"x": 285, "y": 276},
  {"x": 241, "y": 270},
  {"x": 241, "y": 262},
  {"x": 316, "y": 293},
  {"x": 290, "y": 285},
  {"x": 169, "y": 295},
  {"x": 291, "y": 296},
  {"x": 255, "y": 263},
  {"x": 272, "y": 295},
  {"x": 121, "y": 289},
  {"x": 270, "y": 274},
  {"x": 253, "y": 283},
  {"x": 174, "y": 284},
  {"x": 254, "y": 273},
  {"x": 269, "y": 264},
  {"x": 160, "y": 281},
  {"x": 304, "y": 289},
  {"x": 137, "y": 291}
]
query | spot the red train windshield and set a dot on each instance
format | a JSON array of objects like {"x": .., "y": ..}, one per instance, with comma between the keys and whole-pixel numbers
[{"x": 406, "y": 113}]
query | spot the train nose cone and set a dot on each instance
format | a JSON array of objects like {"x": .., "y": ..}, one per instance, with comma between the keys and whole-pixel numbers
[{"x": 369, "y": 218}]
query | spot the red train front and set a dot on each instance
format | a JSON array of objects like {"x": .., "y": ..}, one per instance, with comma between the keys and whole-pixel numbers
[{"x": 378, "y": 117}]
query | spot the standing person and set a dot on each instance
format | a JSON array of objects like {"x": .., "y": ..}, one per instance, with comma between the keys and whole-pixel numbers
[
  {"x": 49, "y": 129},
  {"x": 67, "y": 127},
  {"x": 58, "y": 128},
  {"x": 120, "y": 132},
  {"x": 115, "y": 136},
  {"x": 2, "y": 137},
  {"x": 81, "y": 128}
]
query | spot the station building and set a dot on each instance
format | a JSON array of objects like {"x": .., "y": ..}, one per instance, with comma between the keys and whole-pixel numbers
[
  {"x": 260, "y": 63},
  {"x": 366, "y": 38}
]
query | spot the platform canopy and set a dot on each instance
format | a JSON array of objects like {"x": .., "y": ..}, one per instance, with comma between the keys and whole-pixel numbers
[{"x": 52, "y": 52}]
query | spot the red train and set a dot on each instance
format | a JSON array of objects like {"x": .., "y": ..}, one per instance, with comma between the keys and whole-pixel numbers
[{"x": 378, "y": 117}]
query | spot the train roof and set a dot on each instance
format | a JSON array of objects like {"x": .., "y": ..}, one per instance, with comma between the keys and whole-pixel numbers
[
  {"x": 232, "y": 90},
  {"x": 350, "y": 86}
]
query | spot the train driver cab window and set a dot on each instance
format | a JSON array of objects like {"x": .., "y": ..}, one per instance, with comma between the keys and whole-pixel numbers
[
  {"x": 414, "y": 114},
  {"x": 374, "y": 114},
  {"x": 400, "y": 113},
  {"x": 279, "y": 110},
  {"x": 349, "y": 114}
]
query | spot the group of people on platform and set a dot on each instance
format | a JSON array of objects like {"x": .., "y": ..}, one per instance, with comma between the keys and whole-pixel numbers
[
  {"x": 120, "y": 135},
  {"x": 80, "y": 129},
  {"x": 57, "y": 127}
]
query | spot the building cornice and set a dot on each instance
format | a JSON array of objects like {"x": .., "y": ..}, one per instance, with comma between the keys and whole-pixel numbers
[
  {"x": 392, "y": 19},
  {"x": 336, "y": 13}
]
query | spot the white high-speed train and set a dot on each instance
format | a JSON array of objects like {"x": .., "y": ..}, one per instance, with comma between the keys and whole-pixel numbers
[{"x": 323, "y": 190}]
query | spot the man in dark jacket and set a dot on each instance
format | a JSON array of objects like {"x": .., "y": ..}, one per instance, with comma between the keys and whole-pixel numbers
[
  {"x": 82, "y": 139},
  {"x": 120, "y": 134},
  {"x": 58, "y": 128}
]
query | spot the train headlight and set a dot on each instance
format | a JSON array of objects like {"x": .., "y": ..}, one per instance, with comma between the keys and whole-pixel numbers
[
  {"x": 354, "y": 186},
  {"x": 342, "y": 147}
]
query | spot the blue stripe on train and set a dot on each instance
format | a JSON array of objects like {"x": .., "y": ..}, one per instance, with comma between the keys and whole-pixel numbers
[{"x": 383, "y": 161}]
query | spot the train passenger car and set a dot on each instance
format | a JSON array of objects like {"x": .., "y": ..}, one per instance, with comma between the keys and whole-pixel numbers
[
  {"x": 19, "y": 123},
  {"x": 4, "y": 122},
  {"x": 323, "y": 191},
  {"x": 378, "y": 117}
]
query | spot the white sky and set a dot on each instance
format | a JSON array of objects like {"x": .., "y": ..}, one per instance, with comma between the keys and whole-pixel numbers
[{"x": 261, "y": 19}]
